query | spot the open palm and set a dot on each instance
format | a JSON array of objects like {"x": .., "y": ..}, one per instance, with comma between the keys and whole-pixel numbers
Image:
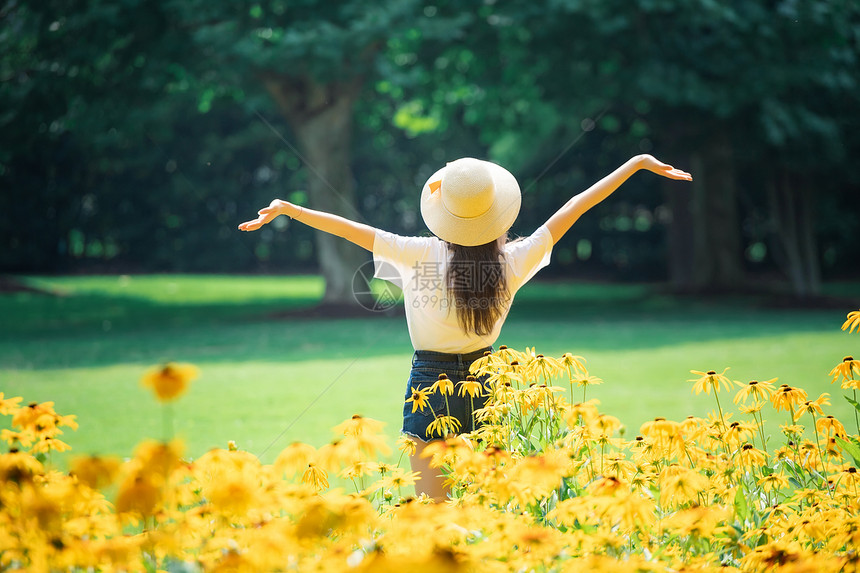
[
  {"x": 660, "y": 168},
  {"x": 266, "y": 215}
]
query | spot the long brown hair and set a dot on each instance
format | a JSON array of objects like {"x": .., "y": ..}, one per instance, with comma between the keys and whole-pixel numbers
[{"x": 475, "y": 280}]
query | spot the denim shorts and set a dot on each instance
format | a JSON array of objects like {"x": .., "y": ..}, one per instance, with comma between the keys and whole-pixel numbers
[{"x": 426, "y": 367}]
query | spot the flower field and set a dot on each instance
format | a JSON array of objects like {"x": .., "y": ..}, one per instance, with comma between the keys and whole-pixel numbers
[{"x": 547, "y": 482}]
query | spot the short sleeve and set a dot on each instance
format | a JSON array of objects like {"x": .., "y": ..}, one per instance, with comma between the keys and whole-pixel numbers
[
  {"x": 394, "y": 256},
  {"x": 527, "y": 256}
]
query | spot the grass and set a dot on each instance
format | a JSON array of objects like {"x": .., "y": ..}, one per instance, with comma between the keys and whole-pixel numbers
[{"x": 266, "y": 382}]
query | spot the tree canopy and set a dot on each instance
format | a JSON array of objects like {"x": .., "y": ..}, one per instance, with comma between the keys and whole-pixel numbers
[{"x": 137, "y": 134}]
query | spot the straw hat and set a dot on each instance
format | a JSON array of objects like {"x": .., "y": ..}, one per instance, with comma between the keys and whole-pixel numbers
[{"x": 470, "y": 202}]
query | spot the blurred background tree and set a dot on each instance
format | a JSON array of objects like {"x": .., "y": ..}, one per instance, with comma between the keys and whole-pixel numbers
[{"x": 135, "y": 135}]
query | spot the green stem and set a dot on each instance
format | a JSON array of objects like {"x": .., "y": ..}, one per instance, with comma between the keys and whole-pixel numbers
[
  {"x": 167, "y": 418},
  {"x": 821, "y": 455},
  {"x": 856, "y": 413}
]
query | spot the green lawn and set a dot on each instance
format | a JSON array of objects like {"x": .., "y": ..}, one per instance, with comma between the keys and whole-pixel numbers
[{"x": 266, "y": 382}]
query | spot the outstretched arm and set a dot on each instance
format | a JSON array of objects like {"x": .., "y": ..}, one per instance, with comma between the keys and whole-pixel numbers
[
  {"x": 358, "y": 233},
  {"x": 565, "y": 217}
]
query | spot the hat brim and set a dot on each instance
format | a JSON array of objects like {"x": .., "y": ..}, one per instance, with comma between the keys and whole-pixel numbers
[{"x": 479, "y": 230}]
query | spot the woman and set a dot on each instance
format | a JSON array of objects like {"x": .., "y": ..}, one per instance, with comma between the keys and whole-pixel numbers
[{"x": 458, "y": 286}]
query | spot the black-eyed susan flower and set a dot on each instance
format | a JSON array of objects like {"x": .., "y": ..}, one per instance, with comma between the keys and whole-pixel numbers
[
  {"x": 8, "y": 406},
  {"x": 471, "y": 387},
  {"x": 774, "y": 481},
  {"x": 138, "y": 494},
  {"x": 710, "y": 379},
  {"x": 849, "y": 478},
  {"x": 169, "y": 381},
  {"x": 486, "y": 364},
  {"x": 507, "y": 355},
  {"x": 95, "y": 471},
  {"x": 852, "y": 321},
  {"x": 295, "y": 458},
  {"x": 849, "y": 371},
  {"x": 758, "y": 391},
  {"x": 786, "y": 398},
  {"x": 158, "y": 459},
  {"x": 316, "y": 477},
  {"x": 367, "y": 443},
  {"x": 812, "y": 406},
  {"x": 49, "y": 444},
  {"x": 419, "y": 399},
  {"x": 406, "y": 445},
  {"x": 829, "y": 425},
  {"x": 572, "y": 364},
  {"x": 358, "y": 425},
  {"x": 443, "y": 385},
  {"x": 739, "y": 432},
  {"x": 680, "y": 485},
  {"x": 443, "y": 425},
  {"x": 749, "y": 456}
]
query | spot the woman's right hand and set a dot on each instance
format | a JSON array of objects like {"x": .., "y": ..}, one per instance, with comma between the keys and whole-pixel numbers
[
  {"x": 651, "y": 164},
  {"x": 266, "y": 215}
]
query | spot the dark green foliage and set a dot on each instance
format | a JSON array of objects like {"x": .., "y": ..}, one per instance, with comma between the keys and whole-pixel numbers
[{"x": 138, "y": 134}]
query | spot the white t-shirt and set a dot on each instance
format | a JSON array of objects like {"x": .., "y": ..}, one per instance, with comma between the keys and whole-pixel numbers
[{"x": 417, "y": 265}]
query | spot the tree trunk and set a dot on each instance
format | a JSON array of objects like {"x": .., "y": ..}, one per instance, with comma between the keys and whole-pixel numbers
[
  {"x": 704, "y": 237},
  {"x": 321, "y": 118},
  {"x": 793, "y": 240}
]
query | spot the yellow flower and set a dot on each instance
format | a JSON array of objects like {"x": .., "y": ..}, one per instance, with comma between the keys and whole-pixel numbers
[
  {"x": 660, "y": 427},
  {"x": 740, "y": 431},
  {"x": 507, "y": 355},
  {"x": 443, "y": 425},
  {"x": 708, "y": 380},
  {"x": 169, "y": 381},
  {"x": 294, "y": 458},
  {"x": 699, "y": 521},
  {"x": 572, "y": 364},
  {"x": 680, "y": 484},
  {"x": 400, "y": 478},
  {"x": 138, "y": 494},
  {"x": 406, "y": 445},
  {"x": 471, "y": 386},
  {"x": 774, "y": 481},
  {"x": 812, "y": 406},
  {"x": 28, "y": 416},
  {"x": 849, "y": 370},
  {"x": 852, "y": 322},
  {"x": 95, "y": 471},
  {"x": 443, "y": 385},
  {"x": 49, "y": 444},
  {"x": 587, "y": 380},
  {"x": 19, "y": 467},
  {"x": 358, "y": 425},
  {"x": 486, "y": 364},
  {"x": 749, "y": 456},
  {"x": 786, "y": 398},
  {"x": 830, "y": 425},
  {"x": 8, "y": 406},
  {"x": 159, "y": 458},
  {"x": 418, "y": 399},
  {"x": 315, "y": 477},
  {"x": 544, "y": 366},
  {"x": 760, "y": 391},
  {"x": 849, "y": 478},
  {"x": 753, "y": 408}
]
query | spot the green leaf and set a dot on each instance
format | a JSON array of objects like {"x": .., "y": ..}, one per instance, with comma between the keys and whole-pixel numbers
[
  {"x": 741, "y": 507},
  {"x": 852, "y": 449},
  {"x": 853, "y": 403}
]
